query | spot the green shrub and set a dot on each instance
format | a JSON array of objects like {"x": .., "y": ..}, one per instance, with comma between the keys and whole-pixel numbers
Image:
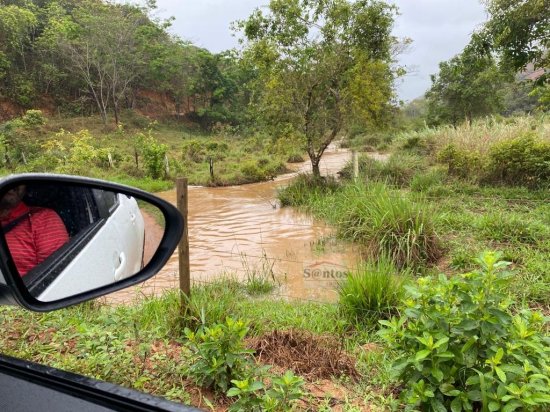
[
  {"x": 295, "y": 157},
  {"x": 401, "y": 167},
  {"x": 33, "y": 118},
  {"x": 80, "y": 157},
  {"x": 369, "y": 169},
  {"x": 371, "y": 293},
  {"x": 153, "y": 153},
  {"x": 248, "y": 393},
  {"x": 193, "y": 150},
  {"x": 462, "y": 348},
  {"x": 388, "y": 223},
  {"x": 260, "y": 169},
  {"x": 461, "y": 162},
  {"x": 252, "y": 395},
  {"x": 524, "y": 160},
  {"x": 370, "y": 140},
  {"x": 219, "y": 354}
]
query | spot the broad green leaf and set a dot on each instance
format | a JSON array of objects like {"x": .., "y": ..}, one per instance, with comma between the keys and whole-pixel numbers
[
  {"x": 256, "y": 385},
  {"x": 234, "y": 392},
  {"x": 437, "y": 374},
  {"x": 437, "y": 406},
  {"x": 423, "y": 354},
  {"x": 494, "y": 406},
  {"x": 512, "y": 406},
  {"x": 456, "y": 405},
  {"x": 501, "y": 374},
  {"x": 541, "y": 397},
  {"x": 472, "y": 380},
  {"x": 467, "y": 325},
  {"x": 448, "y": 389},
  {"x": 498, "y": 356},
  {"x": 514, "y": 389},
  {"x": 517, "y": 370},
  {"x": 470, "y": 357},
  {"x": 441, "y": 342}
]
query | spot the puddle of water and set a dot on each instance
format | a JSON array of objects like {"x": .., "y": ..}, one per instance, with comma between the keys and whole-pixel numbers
[{"x": 236, "y": 229}]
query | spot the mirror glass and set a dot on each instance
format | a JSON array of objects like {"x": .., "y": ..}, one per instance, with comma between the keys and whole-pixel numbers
[{"x": 66, "y": 239}]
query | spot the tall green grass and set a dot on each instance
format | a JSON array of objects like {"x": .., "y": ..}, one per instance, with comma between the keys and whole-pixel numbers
[
  {"x": 386, "y": 221},
  {"x": 304, "y": 188},
  {"x": 211, "y": 303},
  {"x": 398, "y": 170},
  {"x": 372, "y": 292},
  {"x": 260, "y": 277}
]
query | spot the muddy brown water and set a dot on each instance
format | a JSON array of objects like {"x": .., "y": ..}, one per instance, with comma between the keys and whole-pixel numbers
[{"x": 242, "y": 231}]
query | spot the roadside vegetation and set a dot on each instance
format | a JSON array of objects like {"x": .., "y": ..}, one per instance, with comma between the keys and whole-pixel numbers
[
  {"x": 141, "y": 153},
  {"x": 445, "y": 194},
  {"x": 450, "y": 208},
  {"x": 230, "y": 349}
]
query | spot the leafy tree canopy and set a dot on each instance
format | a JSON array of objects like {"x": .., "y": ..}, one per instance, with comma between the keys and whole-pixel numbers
[
  {"x": 520, "y": 31},
  {"x": 320, "y": 64},
  {"x": 467, "y": 86}
]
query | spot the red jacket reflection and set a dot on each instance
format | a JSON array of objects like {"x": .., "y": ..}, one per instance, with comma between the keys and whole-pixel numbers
[{"x": 35, "y": 237}]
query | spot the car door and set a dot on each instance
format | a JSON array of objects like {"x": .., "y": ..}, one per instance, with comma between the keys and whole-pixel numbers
[{"x": 111, "y": 248}]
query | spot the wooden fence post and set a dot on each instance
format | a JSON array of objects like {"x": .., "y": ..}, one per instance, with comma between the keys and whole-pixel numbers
[
  {"x": 183, "y": 249},
  {"x": 166, "y": 166},
  {"x": 355, "y": 158},
  {"x": 211, "y": 163}
]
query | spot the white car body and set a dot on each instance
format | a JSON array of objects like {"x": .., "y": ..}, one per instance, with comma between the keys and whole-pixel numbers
[{"x": 114, "y": 253}]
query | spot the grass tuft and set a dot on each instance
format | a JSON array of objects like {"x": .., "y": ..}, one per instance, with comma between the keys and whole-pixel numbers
[
  {"x": 371, "y": 293},
  {"x": 388, "y": 224}
]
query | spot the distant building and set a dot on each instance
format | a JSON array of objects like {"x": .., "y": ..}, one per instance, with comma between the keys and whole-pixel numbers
[{"x": 530, "y": 73}]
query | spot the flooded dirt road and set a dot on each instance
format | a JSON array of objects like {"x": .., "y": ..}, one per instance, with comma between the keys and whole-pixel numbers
[{"x": 241, "y": 230}]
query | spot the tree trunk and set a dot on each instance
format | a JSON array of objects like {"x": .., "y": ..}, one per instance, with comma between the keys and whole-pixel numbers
[
  {"x": 115, "y": 109},
  {"x": 315, "y": 167}
]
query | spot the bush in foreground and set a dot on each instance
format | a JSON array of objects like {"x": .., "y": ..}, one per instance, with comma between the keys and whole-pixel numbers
[
  {"x": 463, "y": 348},
  {"x": 221, "y": 361}
]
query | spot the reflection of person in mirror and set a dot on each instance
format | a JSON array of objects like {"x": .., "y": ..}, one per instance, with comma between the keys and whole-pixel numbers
[{"x": 32, "y": 233}]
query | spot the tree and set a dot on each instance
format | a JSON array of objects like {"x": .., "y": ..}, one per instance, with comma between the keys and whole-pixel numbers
[
  {"x": 99, "y": 45},
  {"x": 520, "y": 30},
  {"x": 16, "y": 26},
  {"x": 467, "y": 86},
  {"x": 320, "y": 64}
]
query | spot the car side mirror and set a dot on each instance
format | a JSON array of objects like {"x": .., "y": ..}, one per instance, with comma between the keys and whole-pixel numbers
[{"x": 67, "y": 239}]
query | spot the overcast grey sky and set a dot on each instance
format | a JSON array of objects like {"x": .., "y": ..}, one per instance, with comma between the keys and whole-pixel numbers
[{"x": 439, "y": 29}]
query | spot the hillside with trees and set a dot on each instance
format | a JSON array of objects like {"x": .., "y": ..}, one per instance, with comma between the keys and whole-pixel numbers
[{"x": 86, "y": 57}]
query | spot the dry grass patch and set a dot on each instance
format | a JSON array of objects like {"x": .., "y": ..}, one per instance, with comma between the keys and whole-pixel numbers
[{"x": 308, "y": 355}]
